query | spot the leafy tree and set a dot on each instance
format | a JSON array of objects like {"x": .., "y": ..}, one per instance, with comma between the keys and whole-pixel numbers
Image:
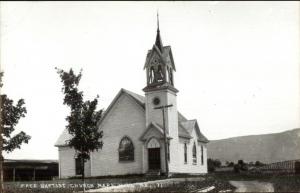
[
  {"x": 212, "y": 164},
  {"x": 229, "y": 164},
  {"x": 240, "y": 166},
  {"x": 10, "y": 116},
  {"x": 83, "y": 118},
  {"x": 258, "y": 163}
]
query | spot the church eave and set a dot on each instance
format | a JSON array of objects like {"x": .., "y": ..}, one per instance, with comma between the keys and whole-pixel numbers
[
  {"x": 160, "y": 86},
  {"x": 185, "y": 137}
]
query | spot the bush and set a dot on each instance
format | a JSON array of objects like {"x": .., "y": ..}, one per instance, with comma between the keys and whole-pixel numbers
[
  {"x": 213, "y": 164},
  {"x": 240, "y": 166}
]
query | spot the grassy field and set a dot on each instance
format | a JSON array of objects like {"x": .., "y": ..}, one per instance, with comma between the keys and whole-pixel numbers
[{"x": 282, "y": 183}]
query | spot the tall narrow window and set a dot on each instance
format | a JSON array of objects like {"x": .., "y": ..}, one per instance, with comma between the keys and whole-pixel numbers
[
  {"x": 160, "y": 75},
  {"x": 126, "y": 150},
  {"x": 78, "y": 166},
  {"x": 194, "y": 154},
  {"x": 185, "y": 153},
  {"x": 151, "y": 75},
  {"x": 168, "y": 151},
  {"x": 202, "y": 161}
]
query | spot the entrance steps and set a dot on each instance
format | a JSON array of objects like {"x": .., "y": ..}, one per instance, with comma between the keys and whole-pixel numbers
[{"x": 153, "y": 173}]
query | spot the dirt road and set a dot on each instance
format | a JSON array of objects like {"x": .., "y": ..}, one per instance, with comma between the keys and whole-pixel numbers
[{"x": 252, "y": 186}]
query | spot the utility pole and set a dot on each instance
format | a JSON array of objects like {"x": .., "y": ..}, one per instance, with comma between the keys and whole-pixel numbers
[{"x": 165, "y": 136}]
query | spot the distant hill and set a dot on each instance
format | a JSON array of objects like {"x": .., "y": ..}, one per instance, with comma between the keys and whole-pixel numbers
[{"x": 266, "y": 148}]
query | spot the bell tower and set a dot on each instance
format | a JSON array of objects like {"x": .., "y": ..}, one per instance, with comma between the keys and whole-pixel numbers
[
  {"x": 160, "y": 90},
  {"x": 159, "y": 64}
]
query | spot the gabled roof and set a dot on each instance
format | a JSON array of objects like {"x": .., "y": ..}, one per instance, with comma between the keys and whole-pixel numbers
[
  {"x": 185, "y": 127},
  {"x": 155, "y": 126},
  {"x": 182, "y": 132},
  {"x": 191, "y": 125},
  {"x": 166, "y": 50}
]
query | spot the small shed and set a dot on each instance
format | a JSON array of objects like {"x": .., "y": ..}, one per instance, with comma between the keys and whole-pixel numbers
[{"x": 29, "y": 170}]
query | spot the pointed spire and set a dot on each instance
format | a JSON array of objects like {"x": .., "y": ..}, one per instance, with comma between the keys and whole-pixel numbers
[
  {"x": 158, "y": 41},
  {"x": 157, "y": 18}
]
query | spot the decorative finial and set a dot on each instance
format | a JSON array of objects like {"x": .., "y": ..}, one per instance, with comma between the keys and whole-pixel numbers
[{"x": 157, "y": 21}]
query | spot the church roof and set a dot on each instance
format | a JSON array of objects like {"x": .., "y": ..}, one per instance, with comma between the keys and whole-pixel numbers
[
  {"x": 163, "y": 53},
  {"x": 191, "y": 125},
  {"x": 185, "y": 127},
  {"x": 63, "y": 138},
  {"x": 156, "y": 126}
]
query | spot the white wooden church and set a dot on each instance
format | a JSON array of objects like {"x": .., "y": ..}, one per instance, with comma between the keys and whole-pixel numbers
[{"x": 133, "y": 129}]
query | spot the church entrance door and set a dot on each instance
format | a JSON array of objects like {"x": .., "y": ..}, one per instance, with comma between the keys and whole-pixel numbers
[
  {"x": 153, "y": 154},
  {"x": 154, "y": 158}
]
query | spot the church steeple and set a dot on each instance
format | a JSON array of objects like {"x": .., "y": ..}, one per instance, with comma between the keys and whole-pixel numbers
[
  {"x": 159, "y": 65},
  {"x": 158, "y": 41}
]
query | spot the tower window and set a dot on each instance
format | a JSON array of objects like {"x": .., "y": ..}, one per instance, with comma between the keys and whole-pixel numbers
[
  {"x": 185, "y": 153},
  {"x": 194, "y": 154},
  {"x": 151, "y": 75},
  {"x": 160, "y": 75},
  {"x": 126, "y": 150}
]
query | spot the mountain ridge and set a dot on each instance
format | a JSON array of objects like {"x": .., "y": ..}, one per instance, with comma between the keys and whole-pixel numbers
[{"x": 267, "y": 148}]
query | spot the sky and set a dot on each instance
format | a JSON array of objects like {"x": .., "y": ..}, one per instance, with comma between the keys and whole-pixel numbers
[{"x": 237, "y": 63}]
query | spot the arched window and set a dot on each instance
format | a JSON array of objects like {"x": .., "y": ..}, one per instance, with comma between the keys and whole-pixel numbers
[
  {"x": 194, "y": 154},
  {"x": 126, "y": 150},
  {"x": 151, "y": 75},
  {"x": 185, "y": 153},
  {"x": 160, "y": 75}
]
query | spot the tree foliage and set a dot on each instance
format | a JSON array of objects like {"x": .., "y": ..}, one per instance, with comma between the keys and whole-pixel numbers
[
  {"x": 240, "y": 166},
  {"x": 83, "y": 118},
  {"x": 10, "y": 116},
  {"x": 212, "y": 164}
]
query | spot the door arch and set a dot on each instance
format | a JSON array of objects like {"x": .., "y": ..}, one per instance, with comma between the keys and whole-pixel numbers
[{"x": 153, "y": 147}]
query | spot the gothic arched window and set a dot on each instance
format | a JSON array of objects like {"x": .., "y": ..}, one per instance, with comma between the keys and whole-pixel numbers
[
  {"x": 160, "y": 75},
  {"x": 171, "y": 77},
  {"x": 151, "y": 75},
  {"x": 126, "y": 150},
  {"x": 194, "y": 154},
  {"x": 185, "y": 153}
]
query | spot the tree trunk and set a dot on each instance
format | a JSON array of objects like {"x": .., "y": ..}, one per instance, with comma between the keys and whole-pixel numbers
[
  {"x": 1, "y": 168},
  {"x": 1, "y": 162},
  {"x": 1, "y": 173}
]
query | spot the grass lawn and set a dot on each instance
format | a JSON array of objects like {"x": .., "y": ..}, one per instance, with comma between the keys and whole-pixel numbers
[{"x": 208, "y": 181}]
